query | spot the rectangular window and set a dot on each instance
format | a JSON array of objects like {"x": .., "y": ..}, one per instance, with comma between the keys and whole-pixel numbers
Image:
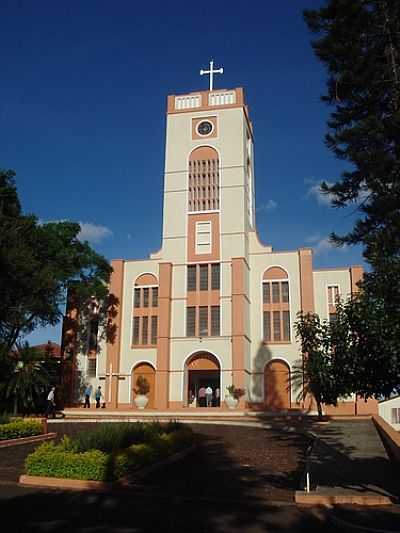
[
  {"x": 266, "y": 293},
  {"x": 395, "y": 415},
  {"x": 203, "y": 237},
  {"x": 204, "y": 277},
  {"x": 332, "y": 317},
  {"x": 191, "y": 277},
  {"x": 285, "y": 291},
  {"x": 154, "y": 328},
  {"x": 267, "y": 326},
  {"x": 190, "y": 321},
  {"x": 286, "y": 325},
  {"x": 215, "y": 276},
  {"x": 275, "y": 292},
  {"x": 145, "y": 329},
  {"x": 333, "y": 294},
  {"x": 154, "y": 297},
  {"x": 203, "y": 321},
  {"x": 146, "y": 297},
  {"x": 93, "y": 332},
  {"x": 277, "y": 325},
  {"x": 137, "y": 298},
  {"x": 91, "y": 367},
  {"x": 135, "y": 333},
  {"x": 215, "y": 321}
]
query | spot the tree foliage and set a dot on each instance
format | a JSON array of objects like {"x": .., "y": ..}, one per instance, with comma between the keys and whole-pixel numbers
[
  {"x": 359, "y": 43},
  {"x": 37, "y": 263}
]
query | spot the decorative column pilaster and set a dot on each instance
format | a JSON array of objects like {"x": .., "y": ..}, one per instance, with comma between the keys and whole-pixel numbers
[{"x": 164, "y": 334}]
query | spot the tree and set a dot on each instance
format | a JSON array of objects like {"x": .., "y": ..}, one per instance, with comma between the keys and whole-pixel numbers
[
  {"x": 27, "y": 382},
  {"x": 359, "y": 43},
  {"x": 38, "y": 262}
]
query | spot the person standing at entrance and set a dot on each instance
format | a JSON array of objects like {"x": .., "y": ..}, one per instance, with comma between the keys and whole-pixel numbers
[
  {"x": 51, "y": 403},
  {"x": 98, "y": 396},
  {"x": 88, "y": 393},
  {"x": 217, "y": 395},
  {"x": 202, "y": 397},
  {"x": 209, "y": 394}
]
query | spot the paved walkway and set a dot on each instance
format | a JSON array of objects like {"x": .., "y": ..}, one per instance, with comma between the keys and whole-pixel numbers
[{"x": 349, "y": 458}]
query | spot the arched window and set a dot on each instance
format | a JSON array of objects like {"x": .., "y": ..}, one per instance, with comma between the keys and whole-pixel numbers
[
  {"x": 203, "y": 179},
  {"x": 145, "y": 311},
  {"x": 276, "y": 305}
]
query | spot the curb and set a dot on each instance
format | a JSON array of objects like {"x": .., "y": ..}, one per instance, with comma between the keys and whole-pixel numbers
[
  {"x": 27, "y": 440},
  {"x": 313, "y": 498},
  {"x": 80, "y": 484}
]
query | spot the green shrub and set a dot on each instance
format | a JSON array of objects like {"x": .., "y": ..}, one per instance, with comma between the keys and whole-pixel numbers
[
  {"x": 4, "y": 418},
  {"x": 111, "y": 437},
  {"x": 20, "y": 428},
  {"x": 50, "y": 460}
]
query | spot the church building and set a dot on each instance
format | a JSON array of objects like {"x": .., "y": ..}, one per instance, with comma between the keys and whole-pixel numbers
[{"x": 214, "y": 307}]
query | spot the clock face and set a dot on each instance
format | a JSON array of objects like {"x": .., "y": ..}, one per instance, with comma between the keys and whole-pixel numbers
[{"x": 204, "y": 128}]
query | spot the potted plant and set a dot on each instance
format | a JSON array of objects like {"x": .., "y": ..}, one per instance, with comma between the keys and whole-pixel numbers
[
  {"x": 141, "y": 391},
  {"x": 233, "y": 396}
]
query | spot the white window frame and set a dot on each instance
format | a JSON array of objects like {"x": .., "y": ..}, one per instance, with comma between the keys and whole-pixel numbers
[{"x": 203, "y": 248}]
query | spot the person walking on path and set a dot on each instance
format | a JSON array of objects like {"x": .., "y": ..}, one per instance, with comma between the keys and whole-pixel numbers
[
  {"x": 51, "y": 404},
  {"x": 202, "y": 397},
  {"x": 98, "y": 396},
  {"x": 209, "y": 395},
  {"x": 88, "y": 393}
]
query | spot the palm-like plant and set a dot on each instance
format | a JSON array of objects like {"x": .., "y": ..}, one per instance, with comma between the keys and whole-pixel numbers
[{"x": 28, "y": 380}]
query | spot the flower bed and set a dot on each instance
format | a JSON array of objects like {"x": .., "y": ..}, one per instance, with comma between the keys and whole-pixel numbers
[
  {"x": 109, "y": 452},
  {"x": 20, "y": 428}
]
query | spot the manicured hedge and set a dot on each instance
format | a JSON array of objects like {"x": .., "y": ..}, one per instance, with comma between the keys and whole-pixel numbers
[
  {"x": 72, "y": 459},
  {"x": 20, "y": 428}
]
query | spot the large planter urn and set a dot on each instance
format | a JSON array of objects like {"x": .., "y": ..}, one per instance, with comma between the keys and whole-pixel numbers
[
  {"x": 231, "y": 402},
  {"x": 141, "y": 400}
]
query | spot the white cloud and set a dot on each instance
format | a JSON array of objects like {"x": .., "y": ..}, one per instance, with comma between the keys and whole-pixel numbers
[
  {"x": 323, "y": 245},
  {"x": 268, "y": 206},
  {"x": 314, "y": 190},
  {"x": 93, "y": 233}
]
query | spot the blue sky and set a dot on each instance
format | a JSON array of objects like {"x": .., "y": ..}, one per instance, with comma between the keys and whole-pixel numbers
[{"x": 82, "y": 112}]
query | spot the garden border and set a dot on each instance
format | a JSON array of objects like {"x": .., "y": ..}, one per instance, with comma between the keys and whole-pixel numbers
[
  {"x": 27, "y": 440},
  {"x": 81, "y": 484}
]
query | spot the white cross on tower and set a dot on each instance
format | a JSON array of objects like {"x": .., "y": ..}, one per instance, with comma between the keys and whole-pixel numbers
[{"x": 211, "y": 72}]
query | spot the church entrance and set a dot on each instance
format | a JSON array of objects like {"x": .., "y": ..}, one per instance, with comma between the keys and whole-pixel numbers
[
  {"x": 277, "y": 385},
  {"x": 203, "y": 380}
]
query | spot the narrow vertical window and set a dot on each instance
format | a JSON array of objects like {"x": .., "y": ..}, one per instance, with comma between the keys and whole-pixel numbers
[
  {"x": 203, "y": 237},
  {"x": 286, "y": 325},
  {"x": 275, "y": 292},
  {"x": 285, "y": 291},
  {"x": 91, "y": 367},
  {"x": 93, "y": 332},
  {"x": 215, "y": 321},
  {"x": 145, "y": 329},
  {"x": 146, "y": 297},
  {"x": 137, "y": 298},
  {"x": 215, "y": 276},
  {"x": 154, "y": 327},
  {"x": 191, "y": 322},
  {"x": 203, "y": 321},
  {"x": 204, "y": 277},
  {"x": 191, "y": 277},
  {"x": 154, "y": 297},
  {"x": 266, "y": 293},
  {"x": 267, "y": 326},
  {"x": 136, "y": 330},
  {"x": 277, "y": 325}
]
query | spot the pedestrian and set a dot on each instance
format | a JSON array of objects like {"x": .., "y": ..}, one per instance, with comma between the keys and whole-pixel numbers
[
  {"x": 202, "y": 397},
  {"x": 51, "y": 404},
  {"x": 88, "y": 393},
  {"x": 209, "y": 395},
  {"x": 217, "y": 396},
  {"x": 98, "y": 396}
]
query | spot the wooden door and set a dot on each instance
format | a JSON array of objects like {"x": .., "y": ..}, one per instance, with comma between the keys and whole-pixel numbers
[
  {"x": 148, "y": 372},
  {"x": 276, "y": 386}
]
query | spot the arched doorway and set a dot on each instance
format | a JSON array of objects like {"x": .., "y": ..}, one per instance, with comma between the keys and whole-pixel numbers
[
  {"x": 148, "y": 372},
  {"x": 277, "y": 385},
  {"x": 202, "y": 370}
]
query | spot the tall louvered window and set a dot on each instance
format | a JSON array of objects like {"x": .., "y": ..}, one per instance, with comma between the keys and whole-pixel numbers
[
  {"x": 276, "y": 306},
  {"x": 203, "y": 180}
]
